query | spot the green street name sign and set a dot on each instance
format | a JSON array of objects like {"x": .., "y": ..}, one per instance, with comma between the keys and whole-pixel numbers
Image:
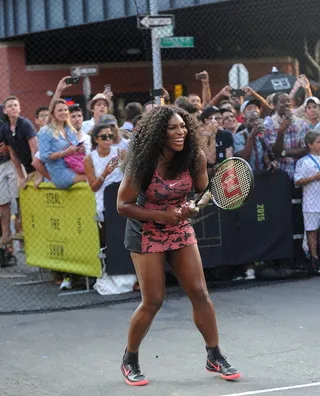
[{"x": 177, "y": 42}]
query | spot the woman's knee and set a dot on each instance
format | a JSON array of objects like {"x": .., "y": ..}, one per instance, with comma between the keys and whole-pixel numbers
[
  {"x": 198, "y": 294},
  {"x": 153, "y": 304}
]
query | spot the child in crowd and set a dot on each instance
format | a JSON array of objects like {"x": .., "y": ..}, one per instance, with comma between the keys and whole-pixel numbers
[{"x": 307, "y": 175}]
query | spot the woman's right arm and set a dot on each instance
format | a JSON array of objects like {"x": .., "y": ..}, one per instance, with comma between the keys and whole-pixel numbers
[
  {"x": 127, "y": 207},
  {"x": 45, "y": 148}
]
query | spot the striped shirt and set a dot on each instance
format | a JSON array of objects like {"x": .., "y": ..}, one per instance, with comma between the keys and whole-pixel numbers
[{"x": 293, "y": 139}]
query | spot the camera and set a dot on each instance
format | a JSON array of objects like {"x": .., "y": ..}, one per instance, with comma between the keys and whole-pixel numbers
[
  {"x": 72, "y": 80},
  {"x": 200, "y": 76}
]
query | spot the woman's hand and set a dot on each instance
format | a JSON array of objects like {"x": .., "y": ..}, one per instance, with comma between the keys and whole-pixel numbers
[
  {"x": 75, "y": 149},
  {"x": 71, "y": 150},
  {"x": 172, "y": 216},
  {"x": 62, "y": 85},
  {"x": 81, "y": 148},
  {"x": 110, "y": 167},
  {"x": 189, "y": 210}
]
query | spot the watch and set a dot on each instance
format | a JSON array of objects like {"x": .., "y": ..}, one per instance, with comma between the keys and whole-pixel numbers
[{"x": 283, "y": 153}]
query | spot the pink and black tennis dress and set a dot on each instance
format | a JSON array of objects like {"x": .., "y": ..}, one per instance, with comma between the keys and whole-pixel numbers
[{"x": 152, "y": 237}]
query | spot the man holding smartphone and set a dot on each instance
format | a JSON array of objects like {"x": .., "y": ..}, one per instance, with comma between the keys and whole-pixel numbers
[
  {"x": 285, "y": 137},
  {"x": 285, "y": 133},
  {"x": 249, "y": 144}
]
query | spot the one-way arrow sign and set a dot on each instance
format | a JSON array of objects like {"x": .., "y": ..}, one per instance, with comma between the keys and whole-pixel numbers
[
  {"x": 84, "y": 71},
  {"x": 153, "y": 21}
]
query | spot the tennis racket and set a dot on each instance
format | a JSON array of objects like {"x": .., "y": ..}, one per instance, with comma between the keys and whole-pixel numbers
[{"x": 231, "y": 184}]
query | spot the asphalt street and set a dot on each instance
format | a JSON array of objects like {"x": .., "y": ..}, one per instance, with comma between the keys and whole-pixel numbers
[{"x": 270, "y": 333}]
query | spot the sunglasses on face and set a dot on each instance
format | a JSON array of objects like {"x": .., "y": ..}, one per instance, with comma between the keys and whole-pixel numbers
[{"x": 110, "y": 136}]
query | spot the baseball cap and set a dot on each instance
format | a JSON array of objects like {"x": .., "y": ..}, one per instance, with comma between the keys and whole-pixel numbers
[
  {"x": 208, "y": 111},
  {"x": 311, "y": 99},
  {"x": 246, "y": 103},
  {"x": 108, "y": 119}
]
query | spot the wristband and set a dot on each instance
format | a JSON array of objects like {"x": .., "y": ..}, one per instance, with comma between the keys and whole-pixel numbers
[{"x": 101, "y": 178}]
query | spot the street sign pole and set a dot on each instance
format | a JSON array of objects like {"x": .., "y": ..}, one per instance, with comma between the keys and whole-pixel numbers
[
  {"x": 156, "y": 53},
  {"x": 85, "y": 72},
  {"x": 86, "y": 89}
]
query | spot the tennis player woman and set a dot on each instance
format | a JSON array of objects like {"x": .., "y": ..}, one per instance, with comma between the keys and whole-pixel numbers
[{"x": 163, "y": 163}]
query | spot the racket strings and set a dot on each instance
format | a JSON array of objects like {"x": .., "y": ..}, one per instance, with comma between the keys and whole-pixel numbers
[{"x": 231, "y": 184}]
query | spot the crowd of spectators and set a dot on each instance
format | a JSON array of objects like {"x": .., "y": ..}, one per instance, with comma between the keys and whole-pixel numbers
[{"x": 270, "y": 133}]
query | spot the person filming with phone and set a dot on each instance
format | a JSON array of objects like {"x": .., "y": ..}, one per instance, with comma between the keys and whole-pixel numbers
[
  {"x": 102, "y": 165},
  {"x": 249, "y": 143},
  {"x": 284, "y": 134},
  {"x": 60, "y": 149}
]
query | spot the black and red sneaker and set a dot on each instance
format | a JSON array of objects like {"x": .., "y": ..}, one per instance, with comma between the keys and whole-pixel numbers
[
  {"x": 219, "y": 364},
  {"x": 130, "y": 369}
]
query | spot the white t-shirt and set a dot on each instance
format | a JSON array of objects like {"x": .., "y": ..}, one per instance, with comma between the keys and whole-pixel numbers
[
  {"x": 123, "y": 144},
  {"x": 87, "y": 126},
  {"x": 99, "y": 165},
  {"x": 127, "y": 125},
  {"x": 86, "y": 140},
  {"x": 306, "y": 167}
]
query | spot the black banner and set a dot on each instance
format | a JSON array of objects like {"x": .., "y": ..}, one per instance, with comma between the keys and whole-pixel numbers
[{"x": 260, "y": 230}]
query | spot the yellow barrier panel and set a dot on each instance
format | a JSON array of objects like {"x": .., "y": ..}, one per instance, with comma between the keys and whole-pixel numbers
[{"x": 59, "y": 228}]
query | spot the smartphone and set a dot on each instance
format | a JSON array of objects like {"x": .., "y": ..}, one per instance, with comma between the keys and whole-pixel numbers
[
  {"x": 289, "y": 116},
  {"x": 200, "y": 76},
  {"x": 72, "y": 80},
  {"x": 114, "y": 160},
  {"x": 107, "y": 88},
  {"x": 237, "y": 93}
]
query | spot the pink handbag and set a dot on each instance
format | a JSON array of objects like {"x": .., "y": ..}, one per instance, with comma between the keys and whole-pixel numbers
[{"x": 75, "y": 162}]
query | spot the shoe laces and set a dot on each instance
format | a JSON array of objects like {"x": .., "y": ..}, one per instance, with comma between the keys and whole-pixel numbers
[
  {"x": 135, "y": 368},
  {"x": 222, "y": 360}
]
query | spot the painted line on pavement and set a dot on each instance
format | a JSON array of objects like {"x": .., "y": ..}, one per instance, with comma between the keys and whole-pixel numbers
[{"x": 260, "y": 392}]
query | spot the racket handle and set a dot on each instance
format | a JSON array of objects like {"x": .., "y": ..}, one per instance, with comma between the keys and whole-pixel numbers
[{"x": 200, "y": 197}]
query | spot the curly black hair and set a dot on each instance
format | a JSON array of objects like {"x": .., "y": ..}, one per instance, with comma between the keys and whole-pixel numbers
[{"x": 149, "y": 138}]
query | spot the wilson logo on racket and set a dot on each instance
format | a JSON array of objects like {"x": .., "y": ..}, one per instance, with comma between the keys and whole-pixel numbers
[{"x": 230, "y": 183}]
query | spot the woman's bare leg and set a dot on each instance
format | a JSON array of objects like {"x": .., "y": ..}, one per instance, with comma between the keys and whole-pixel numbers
[
  {"x": 150, "y": 272},
  {"x": 187, "y": 266}
]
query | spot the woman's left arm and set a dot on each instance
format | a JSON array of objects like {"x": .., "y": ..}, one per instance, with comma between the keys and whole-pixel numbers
[{"x": 201, "y": 179}]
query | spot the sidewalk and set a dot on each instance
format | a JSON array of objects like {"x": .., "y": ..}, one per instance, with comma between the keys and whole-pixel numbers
[{"x": 270, "y": 333}]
